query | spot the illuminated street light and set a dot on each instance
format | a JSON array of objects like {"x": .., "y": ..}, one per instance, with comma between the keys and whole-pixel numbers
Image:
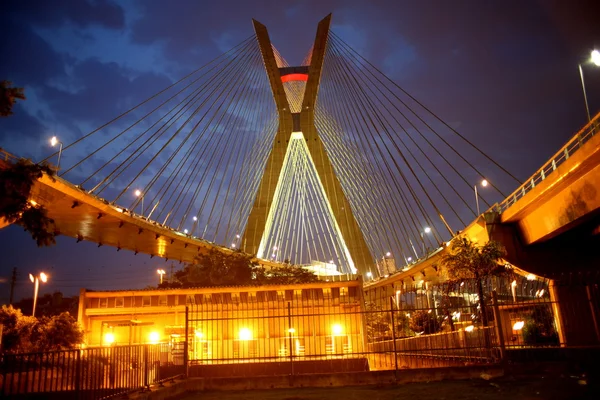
[
  {"x": 595, "y": 59},
  {"x": 53, "y": 142},
  {"x": 139, "y": 193},
  {"x": 161, "y": 272},
  {"x": 195, "y": 218},
  {"x": 369, "y": 275},
  {"x": 426, "y": 230},
  {"x": 484, "y": 183},
  {"x": 36, "y": 286}
]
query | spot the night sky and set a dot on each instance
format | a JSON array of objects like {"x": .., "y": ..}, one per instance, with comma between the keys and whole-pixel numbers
[{"x": 504, "y": 73}]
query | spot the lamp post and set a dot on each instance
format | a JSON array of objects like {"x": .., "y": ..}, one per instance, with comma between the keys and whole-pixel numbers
[
  {"x": 139, "y": 193},
  {"x": 161, "y": 272},
  {"x": 484, "y": 183},
  {"x": 426, "y": 230},
  {"x": 595, "y": 59},
  {"x": 36, "y": 286},
  {"x": 53, "y": 142}
]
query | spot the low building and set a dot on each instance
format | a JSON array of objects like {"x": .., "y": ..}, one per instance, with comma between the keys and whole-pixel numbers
[{"x": 225, "y": 323}]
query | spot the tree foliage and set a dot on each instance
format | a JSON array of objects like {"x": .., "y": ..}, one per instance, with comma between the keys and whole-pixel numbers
[
  {"x": 16, "y": 182},
  {"x": 8, "y": 97},
  {"x": 23, "y": 333},
  {"x": 217, "y": 268},
  {"x": 467, "y": 260},
  {"x": 425, "y": 322}
]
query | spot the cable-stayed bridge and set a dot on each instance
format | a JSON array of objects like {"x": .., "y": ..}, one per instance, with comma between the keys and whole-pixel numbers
[{"x": 329, "y": 161}]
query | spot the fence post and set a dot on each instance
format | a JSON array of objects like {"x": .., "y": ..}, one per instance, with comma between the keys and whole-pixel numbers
[
  {"x": 498, "y": 325},
  {"x": 185, "y": 343},
  {"x": 146, "y": 369},
  {"x": 78, "y": 373},
  {"x": 394, "y": 338},
  {"x": 290, "y": 338}
]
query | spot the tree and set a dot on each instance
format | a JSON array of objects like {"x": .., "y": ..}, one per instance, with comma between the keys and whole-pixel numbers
[
  {"x": 29, "y": 334},
  {"x": 16, "y": 182},
  {"x": 283, "y": 275},
  {"x": 59, "y": 332},
  {"x": 378, "y": 322},
  {"x": 8, "y": 97},
  {"x": 217, "y": 268},
  {"x": 424, "y": 321},
  {"x": 467, "y": 260},
  {"x": 16, "y": 329}
]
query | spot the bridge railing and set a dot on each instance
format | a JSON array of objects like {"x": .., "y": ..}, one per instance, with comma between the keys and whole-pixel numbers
[
  {"x": 576, "y": 142},
  {"x": 7, "y": 157}
]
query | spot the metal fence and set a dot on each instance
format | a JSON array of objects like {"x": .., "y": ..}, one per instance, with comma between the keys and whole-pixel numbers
[
  {"x": 411, "y": 326},
  {"x": 90, "y": 373}
]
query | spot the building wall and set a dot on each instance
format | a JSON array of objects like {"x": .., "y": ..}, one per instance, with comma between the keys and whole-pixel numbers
[{"x": 236, "y": 322}]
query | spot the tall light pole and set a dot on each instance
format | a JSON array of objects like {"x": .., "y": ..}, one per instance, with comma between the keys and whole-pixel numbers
[
  {"x": 426, "y": 230},
  {"x": 595, "y": 59},
  {"x": 139, "y": 193},
  {"x": 53, "y": 142},
  {"x": 161, "y": 272},
  {"x": 36, "y": 286},
  {"x": 484, "y": 183}
]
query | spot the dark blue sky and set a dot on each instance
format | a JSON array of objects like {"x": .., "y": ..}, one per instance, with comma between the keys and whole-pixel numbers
[{"x": 504, "y": 73}]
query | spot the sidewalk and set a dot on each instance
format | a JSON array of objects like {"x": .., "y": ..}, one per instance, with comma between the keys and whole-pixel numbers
[{"x": 555, "y": 387}]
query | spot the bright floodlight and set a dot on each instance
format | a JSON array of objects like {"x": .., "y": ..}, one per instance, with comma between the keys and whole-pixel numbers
[
  {"x": 109, "y": 338},
  {"x": 245, "y": 334},
  {"x": 596, "y": 57},
  {"x": 369, "y": 274},
  {"x": 43, "y": 277},
  {"x": 484, "y": 183},
  {"x": 337, "y": 329},
  {"x": 53, "y": 141},
  {"x": 427, "y": 229},
  {"x": 388, "y": 254},
  {"x": 160, "y": 271},
  {"x": 31, "y": 278},
  {"x": 138, "y": 193},
  {"x": 409, "y": 259},
  {"x": 195, "y": 218},
  {"x": 154, "y": 337},
  {"x": 185, "y": 231},
  {"x": 518, "y": 325}
]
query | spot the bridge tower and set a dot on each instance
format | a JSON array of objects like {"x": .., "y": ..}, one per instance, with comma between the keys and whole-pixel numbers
[{"x": 297, "y": 121}]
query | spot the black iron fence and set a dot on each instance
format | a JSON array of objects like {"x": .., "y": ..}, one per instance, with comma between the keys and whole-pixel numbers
[
  {"x": 390, "y": 328},
  {"x": 90, "y": 373}
]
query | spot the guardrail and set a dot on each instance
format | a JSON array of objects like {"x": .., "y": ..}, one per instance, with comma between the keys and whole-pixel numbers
[
  {"x": 8, "y": 157},
  {"x": 576, "y": 142}
]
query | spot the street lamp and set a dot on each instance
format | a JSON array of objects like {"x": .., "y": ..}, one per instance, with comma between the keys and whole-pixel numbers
[
  {"x": 53, "y": 142},
  {"x": 484, "y": 183},
  {"x": 369, "y": 275},
  {"x": 138, "y": 193},
  {"x": 426, "y": 230},
  {"x": 595, "y": 59},
  {"x": 161, "y": 272},
  {"x": 36, "y": 286}
]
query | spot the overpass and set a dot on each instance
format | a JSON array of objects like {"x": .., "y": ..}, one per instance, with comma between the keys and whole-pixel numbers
[{"x": 549, "y": 225}]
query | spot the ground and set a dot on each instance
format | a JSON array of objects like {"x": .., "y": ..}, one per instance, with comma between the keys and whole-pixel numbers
[{"x": 555, "y": 387}]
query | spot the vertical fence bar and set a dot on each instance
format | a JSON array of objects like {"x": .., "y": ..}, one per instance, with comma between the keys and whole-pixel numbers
[
  {"x": 78, "y": 374},
  {"x": 291, "y": 350},
  {"x": 394, "y": 338},
  {"x": 498, "y": 324},
  {"x": 185, "y": 343}
]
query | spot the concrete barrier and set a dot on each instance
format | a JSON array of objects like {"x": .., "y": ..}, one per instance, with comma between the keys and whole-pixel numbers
[{"x": 192, "y": 385}]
